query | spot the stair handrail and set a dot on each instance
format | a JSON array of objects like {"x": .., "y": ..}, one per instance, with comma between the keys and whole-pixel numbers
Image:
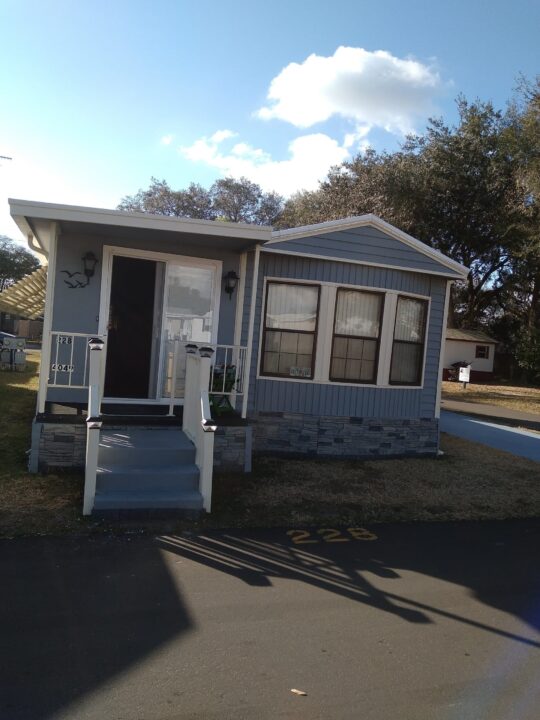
[
  {"x": 96, "y": 347},
  {"x": 197, "y": 420}
]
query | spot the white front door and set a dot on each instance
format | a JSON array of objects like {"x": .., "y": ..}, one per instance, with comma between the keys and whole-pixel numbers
[{"x": 185, "y": 307}]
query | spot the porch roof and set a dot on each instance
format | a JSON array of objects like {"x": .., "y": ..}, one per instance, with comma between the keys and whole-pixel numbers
[{"x": 34, "y": 220}]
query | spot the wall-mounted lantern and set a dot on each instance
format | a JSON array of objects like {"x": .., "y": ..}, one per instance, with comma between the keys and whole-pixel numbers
[
  {"x": 89, "y": 267},
  {"x": 231, "y": 278}
]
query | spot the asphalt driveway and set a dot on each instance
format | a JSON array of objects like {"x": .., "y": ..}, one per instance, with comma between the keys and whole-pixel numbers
[
  {"x": 524, "y": 443},
  {"x": 397, "y": 621}
]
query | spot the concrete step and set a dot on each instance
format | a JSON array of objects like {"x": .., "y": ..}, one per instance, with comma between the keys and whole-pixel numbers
[
  {"x": 150, "y": 447},
  {"x": 136, "y": 478},
  {"x": 187, "y": 500}
]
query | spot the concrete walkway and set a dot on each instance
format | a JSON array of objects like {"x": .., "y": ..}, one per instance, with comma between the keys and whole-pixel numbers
[{"x": 496, "y": 435}]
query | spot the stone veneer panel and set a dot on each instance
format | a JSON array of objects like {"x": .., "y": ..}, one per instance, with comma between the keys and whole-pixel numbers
[
  {"x": 61, "y": 445},
  {"x": 232, "y": 448},
  {"x": 64, "y": 445},
  {"x": 350, "y": 437}
]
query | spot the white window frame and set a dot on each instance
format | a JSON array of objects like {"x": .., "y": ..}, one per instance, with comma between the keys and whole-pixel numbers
[{"x": 323, "y": 348}]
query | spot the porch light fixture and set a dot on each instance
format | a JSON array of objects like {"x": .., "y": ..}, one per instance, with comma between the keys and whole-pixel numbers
[
  {"x": 206, "y": 351},
  {"x": 231, "y": 278},
  {"x": 89, "y": 265}
]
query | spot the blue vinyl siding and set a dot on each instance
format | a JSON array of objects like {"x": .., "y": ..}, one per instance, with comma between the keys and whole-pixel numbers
[
  {"x": 364, "y": 244},
  {"x": 270, "y": 395}
]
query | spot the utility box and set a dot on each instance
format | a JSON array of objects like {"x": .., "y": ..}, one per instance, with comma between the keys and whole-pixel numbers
[
  {"x": 18, "y": 360},
  {"x": 12, "y": 354},
  {"x": 14, "y": 343}
]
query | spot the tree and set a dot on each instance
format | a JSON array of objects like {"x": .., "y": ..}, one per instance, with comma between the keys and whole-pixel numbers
[
  {"x": 15, "y": 262},
  {"x": 454, "y": 188},
  {"x": 227, "y": 199}
]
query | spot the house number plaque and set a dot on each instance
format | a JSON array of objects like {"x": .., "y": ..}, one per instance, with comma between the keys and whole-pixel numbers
[
  {"x": 61, "y": 367},
  {"x": 64, "y": 340}
]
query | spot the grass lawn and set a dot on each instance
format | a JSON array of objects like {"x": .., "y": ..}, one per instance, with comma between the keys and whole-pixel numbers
[
  {"x": 515, "y": 398},
  {"x": 469, "y": 482}
]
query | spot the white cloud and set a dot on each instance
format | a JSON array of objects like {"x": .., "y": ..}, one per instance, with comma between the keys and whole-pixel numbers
[
  {"x": 24, "y": 178},
  {"x": 368, "y": 88},
  {"x": 167, "y": 139},
  {"x": 310, "y": 158}
]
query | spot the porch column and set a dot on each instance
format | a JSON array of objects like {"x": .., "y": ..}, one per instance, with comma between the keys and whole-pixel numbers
[
  {"x": 45, "y": 362},
  {"x": 254, "y": 285}
]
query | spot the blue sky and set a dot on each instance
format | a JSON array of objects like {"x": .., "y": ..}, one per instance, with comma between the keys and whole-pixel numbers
[{"x": 95, "y": 98}]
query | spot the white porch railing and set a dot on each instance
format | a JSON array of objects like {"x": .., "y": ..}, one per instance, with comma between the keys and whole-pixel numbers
[
  {"x": 227, "y": 378},
  {"x": 198, "y": 424}
]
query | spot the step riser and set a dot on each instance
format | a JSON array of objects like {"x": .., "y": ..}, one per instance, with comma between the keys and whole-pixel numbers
[
  {"x": 113, "y": 482},
  {"x": 146, "y": 469},
  {"x": 146, "y": 457},
  {"x": 174, "y": 503}
]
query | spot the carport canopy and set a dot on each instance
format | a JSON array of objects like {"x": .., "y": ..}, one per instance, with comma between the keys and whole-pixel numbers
[{"x": 27, "y": 296}]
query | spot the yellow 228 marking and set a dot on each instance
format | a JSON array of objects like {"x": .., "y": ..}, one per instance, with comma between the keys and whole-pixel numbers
[{"x": 330, "y": 535}]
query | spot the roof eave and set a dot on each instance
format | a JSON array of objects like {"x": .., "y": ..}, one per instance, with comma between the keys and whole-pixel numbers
[{"x": 23, "y": 210}]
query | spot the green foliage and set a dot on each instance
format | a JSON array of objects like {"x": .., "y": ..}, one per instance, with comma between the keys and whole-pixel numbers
[
  {"x": 227, "y": 199},
  {"x": 15, "y": 262},
  {"x": 528, "y": 354}
]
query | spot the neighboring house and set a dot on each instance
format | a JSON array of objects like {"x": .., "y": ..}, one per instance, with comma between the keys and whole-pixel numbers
[
  {"x": 473, "y": 347},
  {"x": 325, "y": 339}
]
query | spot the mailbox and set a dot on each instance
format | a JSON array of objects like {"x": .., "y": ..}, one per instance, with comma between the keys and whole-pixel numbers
[{"x": 465, "y": 374}]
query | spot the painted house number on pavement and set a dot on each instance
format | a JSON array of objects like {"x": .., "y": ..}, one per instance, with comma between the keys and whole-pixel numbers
[{"x": 329, "y": 535}]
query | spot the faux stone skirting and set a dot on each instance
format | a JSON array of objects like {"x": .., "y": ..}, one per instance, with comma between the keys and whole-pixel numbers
[
  {"x": 63, "y": 445},
  {"x": 347, "y": 437}
]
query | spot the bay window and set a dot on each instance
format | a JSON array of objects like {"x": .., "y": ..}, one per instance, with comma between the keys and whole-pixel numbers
[
  {"x": 289, "y": 331},
  {"x": 408, "y": 342},
  {"x": 356, "y": 336}
]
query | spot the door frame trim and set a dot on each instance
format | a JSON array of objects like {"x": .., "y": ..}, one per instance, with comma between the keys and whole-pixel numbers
[{"x": 109, "y": 251}]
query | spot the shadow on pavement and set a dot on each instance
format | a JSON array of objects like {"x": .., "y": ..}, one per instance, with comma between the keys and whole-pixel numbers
[
  {"x": 74, "y": 614},
  {"x": 494, "y": 560}
]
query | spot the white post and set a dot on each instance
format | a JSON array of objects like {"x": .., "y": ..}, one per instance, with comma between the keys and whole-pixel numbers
[
  {"x": 254, "y": 285},
  {"x": 442, "y": 349},
  {"x": 173, "y": 379},
  {"x": 93, "y": 422},
  {"x": 45, "y": 363},
  {"x": 205, "y": 434}
]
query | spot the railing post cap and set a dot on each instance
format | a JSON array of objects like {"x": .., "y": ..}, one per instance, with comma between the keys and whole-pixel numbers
[
  {"x": 96, "y": 343},
  {"x": 206, "y": 351}
]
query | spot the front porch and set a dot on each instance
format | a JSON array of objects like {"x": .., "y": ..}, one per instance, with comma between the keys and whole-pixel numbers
[
  {"x": 148, "y": 328},
  {"x": 144, "y": 454}
]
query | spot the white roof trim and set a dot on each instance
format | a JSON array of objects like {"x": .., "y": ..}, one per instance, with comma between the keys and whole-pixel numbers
[
  {"x": 22, "y": 209},
  {"x": 349, "y": 223}
]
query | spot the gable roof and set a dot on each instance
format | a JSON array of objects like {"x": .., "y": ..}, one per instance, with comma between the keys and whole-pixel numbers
[
  {"x": 469, "y": 336},
  {"x": 350, "y": 223}
]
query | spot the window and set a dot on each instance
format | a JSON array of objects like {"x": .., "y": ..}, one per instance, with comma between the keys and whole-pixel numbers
[
  {"x": 482, "y": 352},
  {"x": 290, "y": 327},
  {"x": 355, "y": 342},
  {"x": 408, "y": 345}
]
